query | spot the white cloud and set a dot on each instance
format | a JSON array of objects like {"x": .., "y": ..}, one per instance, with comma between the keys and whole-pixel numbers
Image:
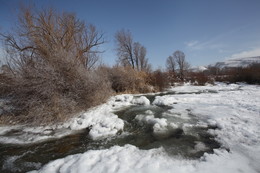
[
  {"x": 197, "y": 45},
  {"x": 249, "y": 53},
  {"x": 192, "y": 43},
  {"x": 215, "y": 42}
]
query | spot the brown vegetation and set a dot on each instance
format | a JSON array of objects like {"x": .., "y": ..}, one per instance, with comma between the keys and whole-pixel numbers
[
  {"x": 160, "y": 80},
  {"x": 126, "y": 79},
  {"x": 250, "y": 74},
  {"x": 200, "y": 78},
  {"x": 49, "y": 76},
  {"x": 52, "y": 74},
  {"x": 178, "y": 60}
]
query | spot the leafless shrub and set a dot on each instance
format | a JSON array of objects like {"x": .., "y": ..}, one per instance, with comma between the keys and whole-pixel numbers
[
  {"x": 126, "y": 79},
  {"x": 250, "y": 74},
  {"x": 200, "y": 78},
  {"x": 50, "y": 75},
  {"x": 159, "y": 80},
  {"x": 172, "y": 78}
]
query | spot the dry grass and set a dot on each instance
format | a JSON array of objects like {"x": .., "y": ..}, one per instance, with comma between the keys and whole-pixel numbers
[{"x": 126, "y": 79}]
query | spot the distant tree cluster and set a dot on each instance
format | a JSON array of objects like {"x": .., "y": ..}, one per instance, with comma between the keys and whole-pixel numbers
[
  {"x": 249, "y": 74},
  {"x": 178, "y": 64},
  {"x": 131, "y": 53}
]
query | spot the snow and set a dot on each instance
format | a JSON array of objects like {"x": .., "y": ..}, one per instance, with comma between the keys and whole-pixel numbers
[
  {"x": 199, "y": 69},
  {"x": 159, "y": 124},
  {"x": 200, "y": 147},
  {"x": 163, "y": 101},
  {"x": 123, "y": 98},
  {"x": 101, "y": 121},
  {"x": 141, "y": 101},
  {"x": 151, "y": 120},
  {"x": 130, "y": 159},
  {"x": 187, "y": 88},
  {"x": 161, "y": 127},
  {"x": 102, "y": 124},
  {"x": 26, "y": 135},
  {"x": 118, "y": 159},
  {"x": 234, "y": 109}
]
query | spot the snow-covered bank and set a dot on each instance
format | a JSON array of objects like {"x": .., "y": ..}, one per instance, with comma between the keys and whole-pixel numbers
[
  {"x": 189, "y": 88},
  {"x": 131, "y": 160},
  {"x": 234, "y": 109},
  {"x": 101, "y": 121}
]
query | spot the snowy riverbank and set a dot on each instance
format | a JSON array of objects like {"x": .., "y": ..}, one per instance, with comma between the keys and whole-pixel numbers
[{"x": 234, "y": 109}]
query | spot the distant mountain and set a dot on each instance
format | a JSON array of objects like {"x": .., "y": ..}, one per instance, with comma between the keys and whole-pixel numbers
[
  {"x": 237, "y": 62},
  {"x": 199, "y": 69},
  {"x": 229, "y": 63}
]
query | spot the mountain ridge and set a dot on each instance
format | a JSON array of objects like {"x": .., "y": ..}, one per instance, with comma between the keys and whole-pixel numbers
[{"x": 237, "y": 62}]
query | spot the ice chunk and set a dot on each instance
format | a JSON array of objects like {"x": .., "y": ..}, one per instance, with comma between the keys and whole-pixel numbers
[
  {"x": 161, "y": 127},
  {"x": 150, "y": 119},
  {"x": 164, "y": 100},
  {"x": 141, "y": 101},
  {"x": 124, "y": 98},
  {"x": 149, "y": 112},
  {"x": 106, "y": 127}
]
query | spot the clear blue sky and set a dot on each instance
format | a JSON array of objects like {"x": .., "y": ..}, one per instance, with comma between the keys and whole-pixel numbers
[{"x": 207, "y": 31}]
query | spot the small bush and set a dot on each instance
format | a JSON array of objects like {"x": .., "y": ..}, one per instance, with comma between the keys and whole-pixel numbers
[
  {"x": 126, "y": 79},
  {"x": 200, "y": 78},
  {"x": 159, "y": 80},
  {"x": 172, "y": 78}
]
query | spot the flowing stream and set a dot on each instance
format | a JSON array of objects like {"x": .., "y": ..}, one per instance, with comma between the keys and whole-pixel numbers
[{"x": 190, "y": 144}]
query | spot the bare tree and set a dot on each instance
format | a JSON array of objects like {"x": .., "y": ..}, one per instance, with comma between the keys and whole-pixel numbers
[
  {"x": 131, "y": 53},
  {"x": 170, "y": 64},
  {"x": 141, "y": 62},
  {"x": 48, "y": 76},
  {"x": 47, "y": 32},
  {"x": 137, "y": 54},
  {"x": 124, "y": 49},
  {"x": 183, "y": 66}
]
